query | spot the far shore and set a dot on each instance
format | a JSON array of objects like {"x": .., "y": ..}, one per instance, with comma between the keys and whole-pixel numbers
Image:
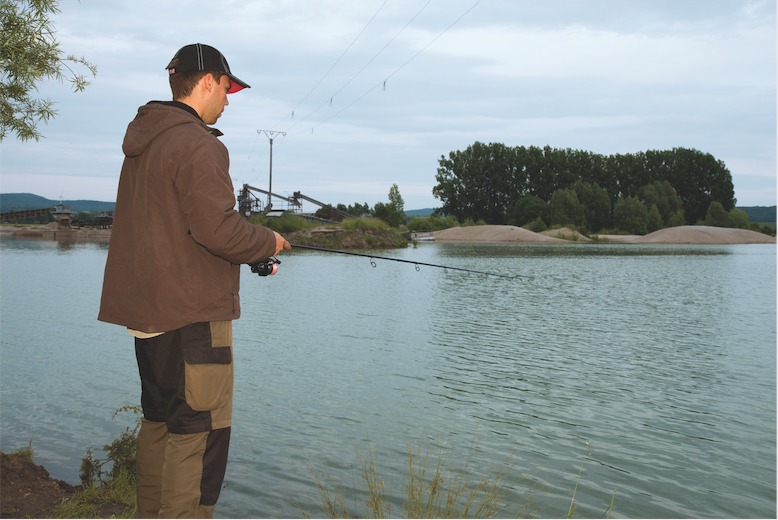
[{"x": 700, "y": 235}]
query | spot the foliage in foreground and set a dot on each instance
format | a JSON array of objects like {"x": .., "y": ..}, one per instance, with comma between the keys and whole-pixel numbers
[
  {"x": 120, "y": 455},
  {"x": 431, "y": 490},
  {"x": 25, "y": 453},
  {"x": 108, "y": 484},
  {"x": 114, "y": 498},
  {"x": 30, "y": 53}
]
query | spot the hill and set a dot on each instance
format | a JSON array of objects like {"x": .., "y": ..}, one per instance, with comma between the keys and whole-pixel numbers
[
  {"x": 424, "y": 212},
  {"x": 759, "y": 213},
  {"x": 21, "y": 201}
]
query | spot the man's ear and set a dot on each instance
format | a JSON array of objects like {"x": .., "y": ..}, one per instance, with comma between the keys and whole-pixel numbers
[{"x": 207, "y": 82}]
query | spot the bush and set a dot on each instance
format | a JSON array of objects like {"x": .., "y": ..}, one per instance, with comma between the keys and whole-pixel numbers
[
  {"x": 363, "y": 224},
  {"x": 288, "y": 223},
  {"x": 536, "y": 225},
  {"x": 432, "y": 223},
  {"x": 120, "y": 455}
]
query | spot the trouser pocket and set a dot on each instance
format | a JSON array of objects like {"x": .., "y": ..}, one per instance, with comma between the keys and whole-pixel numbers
[{"x": 208, "y": 377}]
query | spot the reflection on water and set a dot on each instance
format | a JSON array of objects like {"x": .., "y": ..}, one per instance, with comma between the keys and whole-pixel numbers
[{"x": 650, "y": 367}]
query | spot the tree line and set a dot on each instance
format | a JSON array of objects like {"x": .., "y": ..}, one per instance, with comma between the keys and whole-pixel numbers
[{"x": 539, "y": 187}]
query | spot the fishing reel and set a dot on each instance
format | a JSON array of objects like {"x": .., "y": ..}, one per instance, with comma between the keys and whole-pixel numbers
[{"x": 266, "y": 267}]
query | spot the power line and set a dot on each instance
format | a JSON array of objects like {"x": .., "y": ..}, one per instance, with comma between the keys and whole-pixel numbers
[
  {"x": 336, "y": 62},
  {"x": 398, "y": 69},
  {"x": 347, "y": 83}
]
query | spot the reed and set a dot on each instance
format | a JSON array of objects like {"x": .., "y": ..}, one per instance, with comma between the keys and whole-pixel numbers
[{"x": 431, "y": 490}]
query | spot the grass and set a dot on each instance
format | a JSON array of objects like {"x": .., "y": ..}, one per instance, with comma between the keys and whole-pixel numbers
[
  {"x": 112, "y": 499},
  {"x": 430, "y": 490},
  {"x": 363, "y": 224},
  {"x": 25, "y": 453},
  {"x": 285, "y": 224}
]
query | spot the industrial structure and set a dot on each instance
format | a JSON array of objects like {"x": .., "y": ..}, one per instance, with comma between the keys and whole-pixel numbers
[{"x": 249, "y": 204}]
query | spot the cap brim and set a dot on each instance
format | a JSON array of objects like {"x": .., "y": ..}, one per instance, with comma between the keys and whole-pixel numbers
[{"x": 236, "y": 84}]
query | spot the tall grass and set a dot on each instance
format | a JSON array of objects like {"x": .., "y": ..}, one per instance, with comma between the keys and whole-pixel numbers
[
  {"x": 431, "y": 490},
  {"x": 114, "y": 498},
  {"x": 25, "y": 453},
  {"x": 363, "y": 224},
  {"x": 284, "y": 224}
]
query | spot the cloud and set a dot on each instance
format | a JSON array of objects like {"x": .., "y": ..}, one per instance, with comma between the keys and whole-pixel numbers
[{"x": 602, "y": 75}]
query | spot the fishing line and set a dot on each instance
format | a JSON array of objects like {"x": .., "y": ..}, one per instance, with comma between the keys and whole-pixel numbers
[{"x": 270, "y": 266}]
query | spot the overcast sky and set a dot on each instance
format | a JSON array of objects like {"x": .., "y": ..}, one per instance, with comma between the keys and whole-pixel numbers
[{"x": 372, "y": 93}]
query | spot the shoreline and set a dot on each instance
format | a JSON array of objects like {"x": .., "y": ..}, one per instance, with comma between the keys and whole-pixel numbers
[{"x": 690, "y": 235}]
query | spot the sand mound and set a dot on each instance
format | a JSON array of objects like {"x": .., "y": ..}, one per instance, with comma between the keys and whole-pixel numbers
[
  {"x": 675, "y": 235},
  {"x": 566, "y": 234},
  {"x": 704, "y": 235},
  {"x": 491, "y": 233}
]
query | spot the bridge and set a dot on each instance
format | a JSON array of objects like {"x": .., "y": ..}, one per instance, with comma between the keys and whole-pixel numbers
[
  {"x": 13, "y": 216},
  {"x": 62, "y": 214}
]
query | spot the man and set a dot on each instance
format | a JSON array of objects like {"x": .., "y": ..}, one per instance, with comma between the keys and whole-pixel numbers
[{"x": 172, "y": 278}]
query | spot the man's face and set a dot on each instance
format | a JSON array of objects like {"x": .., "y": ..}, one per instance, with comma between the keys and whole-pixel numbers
[{"x": 217, "y": 100}]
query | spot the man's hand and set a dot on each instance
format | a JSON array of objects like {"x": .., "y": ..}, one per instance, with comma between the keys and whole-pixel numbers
[{"x": 281, "y": 243}]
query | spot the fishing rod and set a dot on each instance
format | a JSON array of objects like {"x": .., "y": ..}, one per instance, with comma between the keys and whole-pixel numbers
[{"x": 270, "y": 266}]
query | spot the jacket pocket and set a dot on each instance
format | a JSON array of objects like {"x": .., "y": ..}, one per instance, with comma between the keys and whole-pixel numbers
[{"x": 208, "y": 377}]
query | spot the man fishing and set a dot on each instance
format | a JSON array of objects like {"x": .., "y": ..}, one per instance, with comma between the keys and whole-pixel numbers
[{"x": 172, "y": 278}]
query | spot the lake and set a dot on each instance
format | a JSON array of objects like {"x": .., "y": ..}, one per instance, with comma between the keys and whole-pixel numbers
[{"x": 641, "y": 376}]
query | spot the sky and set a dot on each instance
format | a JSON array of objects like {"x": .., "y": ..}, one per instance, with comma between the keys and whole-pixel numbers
[{"x": 364, "y": 94}]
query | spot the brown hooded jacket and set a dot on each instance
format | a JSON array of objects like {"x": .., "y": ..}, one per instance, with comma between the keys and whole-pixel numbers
[{"x": 177, "y": 241}]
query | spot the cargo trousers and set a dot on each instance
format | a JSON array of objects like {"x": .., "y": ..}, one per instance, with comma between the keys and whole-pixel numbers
[{"x": 186, "y": 395}]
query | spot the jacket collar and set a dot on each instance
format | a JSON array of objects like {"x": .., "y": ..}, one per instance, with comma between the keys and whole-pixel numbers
[{"x": 183, "y": 106}]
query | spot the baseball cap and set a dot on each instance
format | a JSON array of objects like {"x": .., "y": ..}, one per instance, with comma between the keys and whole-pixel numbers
[{"x": 198, "y": 56}]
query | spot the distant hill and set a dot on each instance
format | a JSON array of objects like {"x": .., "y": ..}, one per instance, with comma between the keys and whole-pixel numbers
[
  {"x": 759, "y": 213},
  {"x": 21, "y": 201},
  {"x": 424, "y": 212}
]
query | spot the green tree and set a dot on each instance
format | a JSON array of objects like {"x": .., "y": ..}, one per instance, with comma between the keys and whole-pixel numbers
[
  {"x": 662, "y": 195},
  {"x": 677, "y": 219},
  {"x": 596, "y": 205},
  {"x": 566, "y": 209},
  {"x": 737, "y": 218},
  {"x": 630, "y": 215},
  {"x": 654, "y": 219},
  {"x": 30, "y": 53},
  {"x": 699, "y": 179},
  {"x": 716, "y": 215},
  {"x": 487, "y": 181},
  {"x": 392, "y": 213},
  {"x": 528, "y": 209},
  {"x": 395, "y": 199},
  {"x": 480, "y": 182}
]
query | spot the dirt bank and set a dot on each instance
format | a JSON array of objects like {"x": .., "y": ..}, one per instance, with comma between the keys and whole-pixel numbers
[
  {"x": 675, "y": 235},
  {"x": 27, "y": 490}
]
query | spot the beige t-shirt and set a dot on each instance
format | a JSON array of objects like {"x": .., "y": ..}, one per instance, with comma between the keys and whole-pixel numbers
[{"x": 143, "y": 335}]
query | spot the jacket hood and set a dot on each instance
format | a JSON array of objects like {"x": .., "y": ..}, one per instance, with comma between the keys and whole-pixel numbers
[{"x": 153, "y": 119}]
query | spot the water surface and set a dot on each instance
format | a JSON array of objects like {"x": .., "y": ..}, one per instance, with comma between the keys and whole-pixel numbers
[{"x": 650, "y": 369}]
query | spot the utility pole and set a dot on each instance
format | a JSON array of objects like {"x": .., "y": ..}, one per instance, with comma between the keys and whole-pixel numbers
[{"x": 271, "y": 134}]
